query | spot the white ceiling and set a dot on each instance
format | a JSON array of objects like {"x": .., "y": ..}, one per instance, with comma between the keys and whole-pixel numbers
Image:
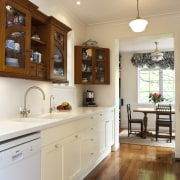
[
  {"x": 147, "y": 44},
  {"x": 101, "y": 11},
  {"x": 93, "y": 12}
]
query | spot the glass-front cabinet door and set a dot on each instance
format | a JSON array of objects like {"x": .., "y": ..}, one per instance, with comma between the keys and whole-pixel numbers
[
  {"x": 101, "y": 65},
  {"x": 59, "y": 60},
  {"x": 59, "y": 64},
  {"x": 16, "y": 38},
  {"x": 58, "y": 50}
]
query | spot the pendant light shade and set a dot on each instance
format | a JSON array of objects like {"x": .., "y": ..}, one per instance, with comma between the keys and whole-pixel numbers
[
  {"x": 78, "y": 2},
  {"x": 156, "y": 55},
  {"x": 138, "y": 25}
]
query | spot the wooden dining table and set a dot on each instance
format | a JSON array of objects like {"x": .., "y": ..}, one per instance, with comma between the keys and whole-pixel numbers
[{"x": 146, "y": 111}]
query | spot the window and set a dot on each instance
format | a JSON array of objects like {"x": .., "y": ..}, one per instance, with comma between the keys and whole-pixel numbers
[{"x": 156, "y": 80}]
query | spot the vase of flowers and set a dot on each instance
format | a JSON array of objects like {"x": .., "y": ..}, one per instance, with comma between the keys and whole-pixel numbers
[{"x": 156, "y": 98}]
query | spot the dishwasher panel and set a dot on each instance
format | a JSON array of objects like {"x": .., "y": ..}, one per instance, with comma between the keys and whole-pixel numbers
[{"x": 22, "y": 160}]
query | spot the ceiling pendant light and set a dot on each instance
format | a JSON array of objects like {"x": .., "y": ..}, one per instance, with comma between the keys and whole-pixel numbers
[
  {"x": 78, "y": 2},
  {"x": 138, "y": 25},
  {"x": 156, "y": 55}
]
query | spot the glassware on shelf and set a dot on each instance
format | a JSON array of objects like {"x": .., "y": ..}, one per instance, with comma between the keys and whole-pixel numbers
[
  {"x": 59, "y": 38},
  {"x": 14, "y": 55},
  {"x": 13, "y": 16}
]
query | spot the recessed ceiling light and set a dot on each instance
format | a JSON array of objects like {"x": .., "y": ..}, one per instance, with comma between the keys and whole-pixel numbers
[{"x": 78, "y": 2}]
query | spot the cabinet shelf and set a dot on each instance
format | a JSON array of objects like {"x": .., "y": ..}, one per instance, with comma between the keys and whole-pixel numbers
[
  {"x": 37, "y": 63},
  {"x": 86, "y": 60},
  {"x": 102, "y": 72},
  {"x": 37, "y": 42},
  {"x": 86, "y": 71},
  {"x": 100, "y": 60}
]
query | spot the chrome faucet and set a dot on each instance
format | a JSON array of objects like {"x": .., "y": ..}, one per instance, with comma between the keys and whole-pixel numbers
[
  {"x": 51, "y": 104},
  {"x": 26, "y": 111}
]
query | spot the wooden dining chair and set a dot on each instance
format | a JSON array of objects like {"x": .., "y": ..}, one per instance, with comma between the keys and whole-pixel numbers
[
  {"x": 163, "y": 119},
  {"x": 133, "y": 121}
]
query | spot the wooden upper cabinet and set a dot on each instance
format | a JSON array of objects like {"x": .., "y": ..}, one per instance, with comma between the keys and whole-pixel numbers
[
  {"x": 15, "y": 37},
  {"x": 34, "y": 45},
  {"x": 58, "y": 50},
  {"x": 92, "y": 65}
]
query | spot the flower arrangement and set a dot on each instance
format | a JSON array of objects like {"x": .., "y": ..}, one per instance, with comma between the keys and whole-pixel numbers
[{"x": 155, "y": 97}]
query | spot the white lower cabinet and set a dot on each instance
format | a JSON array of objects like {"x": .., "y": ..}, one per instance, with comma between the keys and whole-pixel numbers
[
  {"x": 72, "y": 157},
  {"x": 70, "y": 151},
  {"x": 62, "y": 160},
  {"x": 52, "y": 162},
  {"x": 93, "y": 143}
]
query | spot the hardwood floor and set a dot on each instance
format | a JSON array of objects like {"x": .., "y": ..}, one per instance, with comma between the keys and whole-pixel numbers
[{"x": 137, "y": 162}]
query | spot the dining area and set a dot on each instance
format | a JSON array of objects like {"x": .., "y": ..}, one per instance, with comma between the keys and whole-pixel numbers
[{"x": 163, "y": 117}]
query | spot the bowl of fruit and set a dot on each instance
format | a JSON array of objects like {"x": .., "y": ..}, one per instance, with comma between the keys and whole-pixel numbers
[{"x": 64, "y": 106}]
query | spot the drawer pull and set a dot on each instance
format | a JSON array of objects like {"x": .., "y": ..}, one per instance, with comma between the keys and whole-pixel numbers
[
  {"x": 100, "y": 114},
  {"x": 76, "y": 136},
  {"x": 92, "y": 139},
  {"x": 92, "y": 128},
  {"x": 92, "y": 154}
]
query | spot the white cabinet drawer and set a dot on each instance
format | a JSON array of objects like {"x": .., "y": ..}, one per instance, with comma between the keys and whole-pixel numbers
[{"x": 53, "y": 134}]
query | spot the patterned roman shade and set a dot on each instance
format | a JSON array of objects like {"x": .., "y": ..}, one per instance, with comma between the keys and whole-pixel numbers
[{"x": 142, "y": 59}]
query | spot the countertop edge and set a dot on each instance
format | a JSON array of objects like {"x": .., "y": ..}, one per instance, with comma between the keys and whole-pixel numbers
[{"x": 12, "y": 128}]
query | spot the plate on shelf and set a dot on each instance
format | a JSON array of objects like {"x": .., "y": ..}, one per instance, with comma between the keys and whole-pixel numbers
[
  {"x": 11, "y": 60},
  {"x": 13, "y": 64},
  {"x": 58, "y": 60}
]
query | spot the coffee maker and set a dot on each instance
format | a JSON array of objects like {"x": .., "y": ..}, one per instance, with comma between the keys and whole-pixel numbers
[{"x": 88, "y": 99}]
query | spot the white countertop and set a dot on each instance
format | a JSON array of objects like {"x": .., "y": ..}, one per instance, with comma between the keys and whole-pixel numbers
[{"x": 11, "y": 128}]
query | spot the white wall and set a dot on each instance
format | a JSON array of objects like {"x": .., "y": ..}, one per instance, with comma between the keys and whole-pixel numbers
[
  {"x": 12, "y": 97},
  {"x": 108, "y": 34}
]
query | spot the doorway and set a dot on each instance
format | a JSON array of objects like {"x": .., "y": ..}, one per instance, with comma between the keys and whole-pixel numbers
[{"x": 128, "y": 88}]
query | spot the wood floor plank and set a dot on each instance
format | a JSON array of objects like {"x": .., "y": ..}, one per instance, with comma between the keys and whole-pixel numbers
[{"x": 137, "y": 162}]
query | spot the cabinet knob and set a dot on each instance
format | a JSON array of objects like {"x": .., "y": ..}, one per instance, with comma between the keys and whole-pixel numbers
[
  {"x": 76, "y": 136},
  {"x": 56, "y": 146},
  {"x": 100, "y": 114},
  {"x": 92, "y": 128},
  {"x": 92, "y": 117},
  {"x": 92, "y": 139},
  {"x": 92, "y": 154}
]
